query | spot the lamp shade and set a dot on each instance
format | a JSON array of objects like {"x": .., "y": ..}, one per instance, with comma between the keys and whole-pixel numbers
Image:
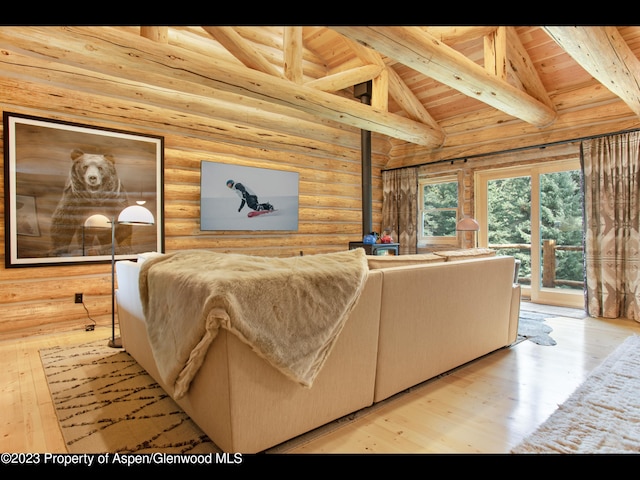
[
  {"x": 468, "y": 224},
  {"x": 136, "y": 215},
  {"x": 97, "y": 221}
]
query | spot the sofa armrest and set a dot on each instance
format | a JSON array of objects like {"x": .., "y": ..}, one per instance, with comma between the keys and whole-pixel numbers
[
  {"x": 514, "y": 313},
  {"x": 129, "y": 306},
  {"x": 127, "y": 273}
]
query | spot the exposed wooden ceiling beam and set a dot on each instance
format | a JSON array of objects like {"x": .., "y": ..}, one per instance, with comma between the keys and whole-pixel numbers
[
  {"x": 450, "y": 35},
  {"x": 397, "y": 89},
  {"x": 164, "y": 66},
  {"x": 506, "y": 58},
  {"x": 414, "y": 47},
  {"x": 157, "y": 34},
  {"x": 495, "y": 53},
  {"x": 292, "y": 48},
  {"x": 345, "y": 79},
  {"x": 242, "y": 50},
  {"x": 603, "y": 53},
  {"x": 408, "y": 101},
  {"x": 380, "y": 85},
  {"x": 522, "y": 67}
]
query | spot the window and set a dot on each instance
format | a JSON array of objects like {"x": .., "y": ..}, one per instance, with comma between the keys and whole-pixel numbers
[
  {"x": 438, "y": 210},
  {"x": 534, "y": 213}
]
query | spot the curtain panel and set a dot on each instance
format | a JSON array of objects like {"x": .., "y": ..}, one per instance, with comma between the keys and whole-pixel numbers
[
  {"x": 400, "y": 207},
  {"x": 611, "y": 168}
]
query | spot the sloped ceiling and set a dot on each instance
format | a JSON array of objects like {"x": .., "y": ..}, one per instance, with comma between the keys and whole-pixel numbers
[{"x": 429, "y": 83}]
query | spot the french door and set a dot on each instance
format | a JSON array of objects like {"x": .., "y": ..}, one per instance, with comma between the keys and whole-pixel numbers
[{"x": 535, "y": 213}]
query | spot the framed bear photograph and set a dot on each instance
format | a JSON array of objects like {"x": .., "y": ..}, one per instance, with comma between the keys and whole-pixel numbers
[{"x": 67, "y": 185}]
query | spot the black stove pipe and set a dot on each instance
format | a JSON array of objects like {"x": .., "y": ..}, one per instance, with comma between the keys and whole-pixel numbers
[{"x": 363, "y": 92}]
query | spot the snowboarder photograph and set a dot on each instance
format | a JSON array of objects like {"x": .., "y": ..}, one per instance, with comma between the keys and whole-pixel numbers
[{"x": 235, "y": 197}]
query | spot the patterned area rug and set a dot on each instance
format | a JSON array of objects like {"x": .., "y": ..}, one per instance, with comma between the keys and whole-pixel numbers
[
  {"x": 602, "y": 415},
  {"x": 106, "y": 402}
]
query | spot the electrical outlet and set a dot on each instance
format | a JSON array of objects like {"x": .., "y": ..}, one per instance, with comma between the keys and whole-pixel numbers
[{"x": 78, "y": 298}]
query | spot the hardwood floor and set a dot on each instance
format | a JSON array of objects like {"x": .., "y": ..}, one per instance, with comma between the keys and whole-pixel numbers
[{"x": 486, "y": 406}]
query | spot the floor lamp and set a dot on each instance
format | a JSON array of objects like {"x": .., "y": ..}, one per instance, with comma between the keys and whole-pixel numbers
[
  {"x": 468, "y": 224},
  {"x": 133, "y": 215}
]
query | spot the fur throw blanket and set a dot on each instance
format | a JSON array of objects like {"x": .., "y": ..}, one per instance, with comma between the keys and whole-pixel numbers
[{"x": 290, "y": 311}]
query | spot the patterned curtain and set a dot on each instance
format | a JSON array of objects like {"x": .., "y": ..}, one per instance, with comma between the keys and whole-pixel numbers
[
  {"x": 611, "y": 167},
  {"x": 400, "y": 208}
]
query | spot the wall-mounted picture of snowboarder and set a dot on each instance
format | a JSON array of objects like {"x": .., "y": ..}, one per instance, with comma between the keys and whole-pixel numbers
[{"x": 236, "y": 197}]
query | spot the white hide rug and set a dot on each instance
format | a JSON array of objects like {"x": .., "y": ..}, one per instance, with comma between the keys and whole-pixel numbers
[{"x": 601, "y": 416}]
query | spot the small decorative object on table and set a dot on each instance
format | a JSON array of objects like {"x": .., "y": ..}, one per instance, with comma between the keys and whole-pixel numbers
[
  {"x": 370, "y": 238},
  {"x": 386, "y": 237}
]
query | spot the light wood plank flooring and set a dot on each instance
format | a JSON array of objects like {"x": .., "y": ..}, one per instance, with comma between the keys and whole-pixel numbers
[{"x": 486, "y": 406}]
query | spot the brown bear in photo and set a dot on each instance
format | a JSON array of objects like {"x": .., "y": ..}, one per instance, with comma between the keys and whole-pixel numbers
[{"x": 93, "y": 187}]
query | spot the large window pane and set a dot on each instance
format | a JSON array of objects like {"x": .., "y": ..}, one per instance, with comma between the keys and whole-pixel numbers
[
  {"x": 440, "y": 223},
  {"x": 557, "y": 248},
  {"x": 561, "y": 230},
  {"x": 534, "y": 213},
  {"x": 439, "y": 209},
  {"x": 509, "y": 220}
]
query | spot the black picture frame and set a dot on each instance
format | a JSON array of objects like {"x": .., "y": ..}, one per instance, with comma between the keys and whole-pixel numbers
[{"x": 43, "y": 159}]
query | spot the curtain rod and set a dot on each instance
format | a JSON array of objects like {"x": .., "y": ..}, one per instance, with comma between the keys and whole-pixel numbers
[{"x": 500, "y": 152}]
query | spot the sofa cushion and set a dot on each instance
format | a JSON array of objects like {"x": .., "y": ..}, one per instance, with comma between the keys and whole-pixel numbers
[
  {"x": 466, "y": 253},
  {"x": 384, "y": 261}
]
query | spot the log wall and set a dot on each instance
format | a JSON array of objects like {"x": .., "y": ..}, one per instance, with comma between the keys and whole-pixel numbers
[{"x": 37, "y": 300}]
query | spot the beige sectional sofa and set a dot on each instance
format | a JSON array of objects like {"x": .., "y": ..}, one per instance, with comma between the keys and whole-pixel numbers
[{"x": 417, "y": 317}]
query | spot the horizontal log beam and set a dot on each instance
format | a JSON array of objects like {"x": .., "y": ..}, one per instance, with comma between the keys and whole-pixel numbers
[{"x": 347, "y": 78}]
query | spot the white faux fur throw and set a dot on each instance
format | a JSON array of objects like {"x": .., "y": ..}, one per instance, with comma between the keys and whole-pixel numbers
[{"x": 290, "y": 311}]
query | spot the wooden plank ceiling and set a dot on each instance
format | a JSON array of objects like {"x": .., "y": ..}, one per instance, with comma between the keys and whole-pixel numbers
[{"x": 422, "y": 77}]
